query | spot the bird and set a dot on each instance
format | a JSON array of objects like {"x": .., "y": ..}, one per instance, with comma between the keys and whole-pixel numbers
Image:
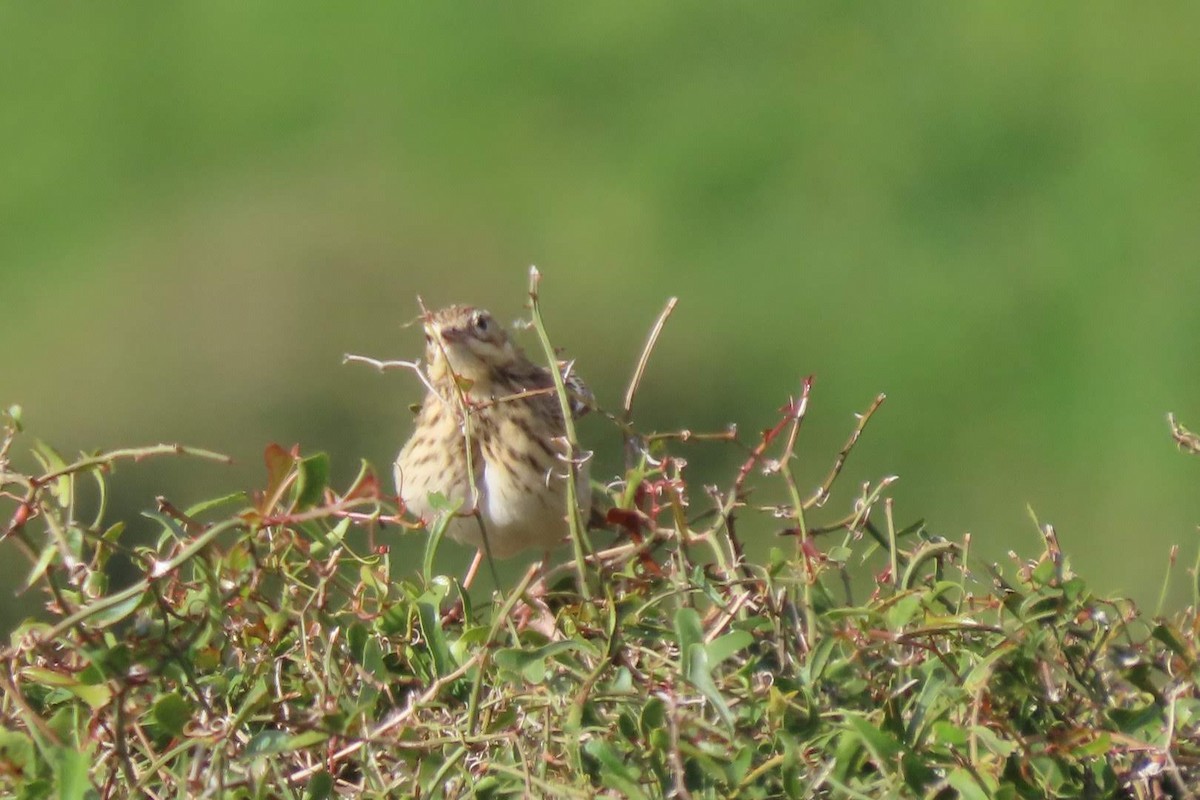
[{"x": 490, "y": 435}]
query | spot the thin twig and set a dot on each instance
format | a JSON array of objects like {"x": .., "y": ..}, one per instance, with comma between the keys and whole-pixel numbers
[
  {"x": 1187, "y": 441},
  {"x": 133, "y": 454},
  {"x": 644, "y": 358},
  {"x": 384, "y": 366},
  {"x": 686, "y": 435},
  {"x": 579, "y": 542},
  {"x": 822, "y": 494}
]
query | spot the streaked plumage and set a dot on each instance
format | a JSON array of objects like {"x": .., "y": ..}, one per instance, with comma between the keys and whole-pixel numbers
[{"x": 487, "y": 394}]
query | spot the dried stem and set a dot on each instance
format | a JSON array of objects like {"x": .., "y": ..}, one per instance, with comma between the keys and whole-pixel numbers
[{"x": 640, "y": 370}]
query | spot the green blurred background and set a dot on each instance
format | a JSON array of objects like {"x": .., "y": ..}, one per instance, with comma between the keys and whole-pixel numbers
[{"x": 988, "y": 211}]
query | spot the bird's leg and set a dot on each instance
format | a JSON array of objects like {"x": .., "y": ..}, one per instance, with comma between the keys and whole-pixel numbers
[
  {"x": 539, "y": 587},
  {"x": 469, "y": 578},
  {"x": 535, "y": 613},
  {"x": 455, "y": 612}
]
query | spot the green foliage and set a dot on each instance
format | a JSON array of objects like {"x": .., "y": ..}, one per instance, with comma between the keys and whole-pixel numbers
[{"x": 270, "y": 649}]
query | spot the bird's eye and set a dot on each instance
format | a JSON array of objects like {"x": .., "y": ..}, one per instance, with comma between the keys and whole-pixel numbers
[{"x": 482, "y": 323}]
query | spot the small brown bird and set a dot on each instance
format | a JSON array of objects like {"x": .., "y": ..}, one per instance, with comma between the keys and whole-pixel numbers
[{"x": 490, "y": 433}]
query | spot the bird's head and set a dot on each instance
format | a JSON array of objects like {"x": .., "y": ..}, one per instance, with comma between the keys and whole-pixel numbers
[{"x": 469, "y": 343}]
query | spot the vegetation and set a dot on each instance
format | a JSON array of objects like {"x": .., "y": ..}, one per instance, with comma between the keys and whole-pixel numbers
[
  {"x": 269, "y": 648},
  {"x": 981, "y": 211}
]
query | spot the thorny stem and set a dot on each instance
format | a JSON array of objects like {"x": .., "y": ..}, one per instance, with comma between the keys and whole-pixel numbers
[
  {"x": 759, "y": 449},
  {"x": 1186, "y": 440},
  {"x": 687, "y": 435},
  {"x": 796, "y": 409},
  {"x": 134, "y": 454},
  {"x": 579, "y": 542},
  {"x": 822, "y": 493},
  {"x": 725, "y": 519}
]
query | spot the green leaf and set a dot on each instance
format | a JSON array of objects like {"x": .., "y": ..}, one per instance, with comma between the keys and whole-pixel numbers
[
  {"x": 320, "y": 786},
  {"x": 1045, "y": 573},
  {"x": 935, "y": 694},
  {"x": 1138, "y": 720},
  {"x": 170, "y": 524},
  {"x": 254, "y": 695},
  {"x": 96, "y": 695},
  {"x": 435, "y": 534},
  {"x": 66, "y": 724},
  {"x": 463, "y": 647},
  {"x": 1049, "y": 772},
  {"x": 37, "y": 789},
  {"x": 43, "y": 563},
  {"x": 312, "y": 480},
  {"x": 208, "y": 505},
  {"x": 51, "y": 461},
  {"x": 727, "y": 645},
  {"x": 1094, "y": 748},
  {"x": 884, "y": 747},
  {"x": 654, "y": 715},
  {"x": 839, "y": 554},
  {"x": 16, "y": 752},
  {"x": 1168, "y": 635},
  {"x": 989, "y": 739},
  {"x": 814, "y": 668},
  {"x": 697, "y": 672},
  {"x": 356, "y": 640},
  {"x": 531, "y": 664},
  {"x": 71, "y": 773},
  {"x": 306, "y": 739},
  {"x": 614, "y": 772},
  {"x": 981, "y": 673},
  {"x": 918, "y": 771},
  {"x": 172, "y": 712},
  {"x": 964, "y": 783},
  {"x": 903, "y": 611},
  {"x": 688, "y": 631},
  {"x": 948, "y": 733},
  {"x": 114, "y": 532},
  {"x": 847, "y": 755},
  {"x": 1073, "y": 589},
  {"x": 268, "y": 742},
  {"x": 47, "y": 677},
  {"x": 435, "y": 637},
  {"x": 324, "y": 542},
  {"x": 116, "y": 612}
]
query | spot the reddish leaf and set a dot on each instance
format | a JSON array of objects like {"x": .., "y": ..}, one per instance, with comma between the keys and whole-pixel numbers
[
  {"x": 279, "y": 463},
  {"x": 811, "y": 550},
  {"x": 366, "y": 487},
  {"x": 626, "y": 519}
]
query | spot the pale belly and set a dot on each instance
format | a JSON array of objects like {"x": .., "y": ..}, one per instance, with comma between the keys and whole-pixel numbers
[{"x": 516, "y": 515}]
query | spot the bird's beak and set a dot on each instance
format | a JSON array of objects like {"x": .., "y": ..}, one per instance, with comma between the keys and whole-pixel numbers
[{"x": 447, "y": 335}]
